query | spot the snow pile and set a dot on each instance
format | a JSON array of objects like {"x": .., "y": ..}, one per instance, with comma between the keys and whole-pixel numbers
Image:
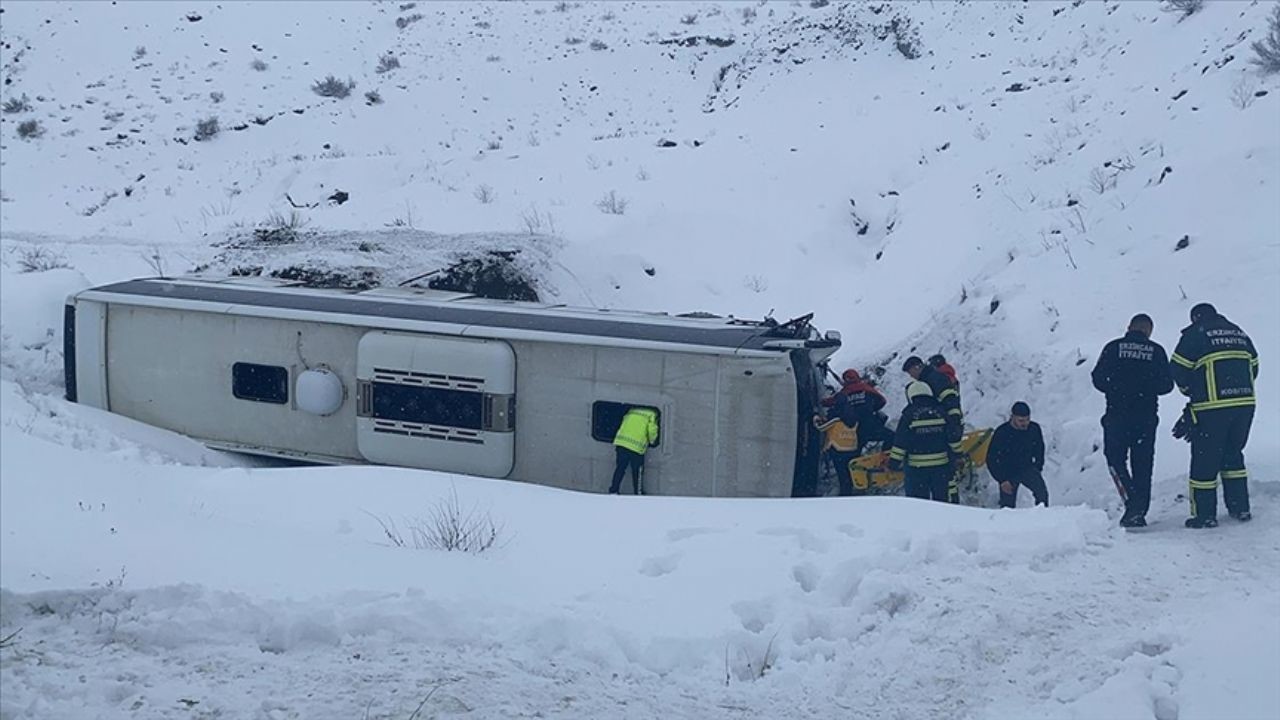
[
  {"x": 1009, "y": 197},
  {"x": 882, "y": 607}
]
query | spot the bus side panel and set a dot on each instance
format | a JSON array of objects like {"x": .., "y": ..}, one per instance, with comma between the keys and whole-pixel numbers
[
  {"x": 89, "y": 363},
  {"x": 174, "y": 368},
  {"x": 558, "y": 387},
  {"x": 757, "y": 421}
]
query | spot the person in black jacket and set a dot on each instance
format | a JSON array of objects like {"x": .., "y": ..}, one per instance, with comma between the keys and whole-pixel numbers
[
  {"x": 1133, "y": 372},
  {"x": 947, "y": 396},
  {"x": 1016, "y": 457},
  {"x": 1215, "y": 365},
  {"x": 921, "y": 448}
]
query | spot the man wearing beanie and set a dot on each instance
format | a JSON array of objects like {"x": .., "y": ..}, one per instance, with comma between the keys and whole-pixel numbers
[
  {"x": 1016, "y": 457},
  {"x": 1215, "y": 365},
  {"x": 1132, "y": 372}
]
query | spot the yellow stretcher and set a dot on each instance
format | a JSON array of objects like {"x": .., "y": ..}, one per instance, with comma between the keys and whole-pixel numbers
[{"x": 872, "y": 475}]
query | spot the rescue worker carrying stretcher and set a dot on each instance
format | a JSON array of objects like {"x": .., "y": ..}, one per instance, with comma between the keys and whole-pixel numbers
[{"x": 923, "y": 447}]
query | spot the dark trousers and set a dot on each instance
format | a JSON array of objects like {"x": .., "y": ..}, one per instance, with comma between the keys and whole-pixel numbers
[
  {"x": 873, "y": 430},
  {"x": 928, "y": 483},
  {"x": 1217, "y": 449},
  {"x": 1033, "y": 481},
  {"x": 627, "y": 459},
  {"x": 1128, "y": 442},
  {"x": 841, "y": 462}
]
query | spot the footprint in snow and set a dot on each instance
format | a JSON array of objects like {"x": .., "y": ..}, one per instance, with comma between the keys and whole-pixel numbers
[
  {"x": 806, "y": 576},
  {"x": 804, "y": 538},
  {"x": 685, "y": 533},
  {"x": 659, "y": 566}
]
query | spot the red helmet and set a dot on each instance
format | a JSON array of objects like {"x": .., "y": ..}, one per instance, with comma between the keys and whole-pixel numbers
[{"x": 850, "y": 376}]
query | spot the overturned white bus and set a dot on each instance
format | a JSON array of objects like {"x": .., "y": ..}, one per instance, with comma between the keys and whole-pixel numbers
[{"x": 448, "y": 381}]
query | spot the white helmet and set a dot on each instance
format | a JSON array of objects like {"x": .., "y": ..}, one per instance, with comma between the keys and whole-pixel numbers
[{"x": 917, "y": 389}]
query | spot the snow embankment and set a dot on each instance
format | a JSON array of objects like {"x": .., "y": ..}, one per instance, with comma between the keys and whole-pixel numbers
[{"x": 189, "y": 577}]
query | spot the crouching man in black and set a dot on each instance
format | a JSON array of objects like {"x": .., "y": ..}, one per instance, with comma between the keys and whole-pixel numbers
[{"x": 1016, "y": 457}]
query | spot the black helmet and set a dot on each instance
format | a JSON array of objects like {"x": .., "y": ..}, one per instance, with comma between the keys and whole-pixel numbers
[{"x": 1202, "y": 311}]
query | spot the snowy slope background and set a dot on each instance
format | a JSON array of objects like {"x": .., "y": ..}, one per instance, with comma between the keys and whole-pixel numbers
[{"x": 1010, "y": 197}]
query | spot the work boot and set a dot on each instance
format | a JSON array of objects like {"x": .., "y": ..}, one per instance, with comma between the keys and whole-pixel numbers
[
  {"x": 1133, "y": 522},
  {"x": 1242, "y": 516},
  {"x": 1199, "y": 523}
]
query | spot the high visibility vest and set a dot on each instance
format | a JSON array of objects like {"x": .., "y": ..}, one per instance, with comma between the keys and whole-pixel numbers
[
  {"x": 639, "y": 429},
  {"x": 838, "y": 436}
]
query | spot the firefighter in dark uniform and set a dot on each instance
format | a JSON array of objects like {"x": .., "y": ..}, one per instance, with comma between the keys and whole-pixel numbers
[
  {"x": 1133, "y": 372},
  {"x": 867, "y": 405},
  {"x": 922, "y": 448},
  {"x": 1215, "y": 365},
  {"x": 948, "y": 399}
]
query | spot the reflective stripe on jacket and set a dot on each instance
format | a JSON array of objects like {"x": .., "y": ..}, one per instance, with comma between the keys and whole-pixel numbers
[
  {"x": 638, "y": 431},
  {"x": 839, "y": 436},
  {"x": 922, "y": 438},
  {"x": 1215, "y": 365}
]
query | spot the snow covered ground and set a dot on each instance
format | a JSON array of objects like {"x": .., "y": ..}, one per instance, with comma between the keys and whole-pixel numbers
[{"x": 1010, "y": 198}]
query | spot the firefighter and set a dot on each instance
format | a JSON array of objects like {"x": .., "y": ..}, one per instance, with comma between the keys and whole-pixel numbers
[
  {"x": 637, "y": 433},
  {"x": 922, "y": 448},
  {"x": 948, "y": 398},
  {"x": 867, "y": 405},
  {"x": 840, "y": 441},
  {"x": 1215, "y": 366},
  {"x": 1132, "y": 371},
  {"x": 1016, "y": 457},
  {"x": 939, "y": 363}
]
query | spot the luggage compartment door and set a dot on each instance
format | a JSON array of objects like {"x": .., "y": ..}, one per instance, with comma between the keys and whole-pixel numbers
[{"x": 436, "y": 402}]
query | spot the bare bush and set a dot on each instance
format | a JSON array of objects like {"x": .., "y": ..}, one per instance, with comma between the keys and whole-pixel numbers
[
  {"x": 535, "y": 222},
  {"x": 30, "y": 129},
  {"x": 155, "y": 261},
  {"x": 372, "y": 98},
  {"x": 15, "y": 105},
  {"x": 216, "y": 97},
  {"x": 598, "y": 45},
  {"x": 690, "y": 19},
  {"x": 1242, "y": 93},
  {"x": 573, "y": 41},
  {"x": 139, "y": 52},
  {"x": 279, "y": 229},
  {"x": 387, "y": 63},
  {"x": 612, "y": 204},
  {"x": 333, "y": 87},
  {"x": 207, "y": 129},
  {"x": 447, "y": 526},
  {"x": 407, "y": 20},
  {"x": 1101, "y": 181},
  {"x": 748, "y": 15},
  {"x": 10, "y": 639},
  {"x": 39, "y": 259},
  {"x": 1268, "y": 48},
  {"x": 561, "y": 6},
  {"x": 1185, "y": 8},
  {"x": 258, "y": 64},
  {"x": 483, "y": 193}
]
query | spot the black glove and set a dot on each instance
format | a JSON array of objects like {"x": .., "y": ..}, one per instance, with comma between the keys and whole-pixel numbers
[{"x": 1182, "y": 428}]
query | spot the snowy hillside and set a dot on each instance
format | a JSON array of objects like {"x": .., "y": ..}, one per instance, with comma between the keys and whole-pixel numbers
[{"x": 1003, "y": 182}]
